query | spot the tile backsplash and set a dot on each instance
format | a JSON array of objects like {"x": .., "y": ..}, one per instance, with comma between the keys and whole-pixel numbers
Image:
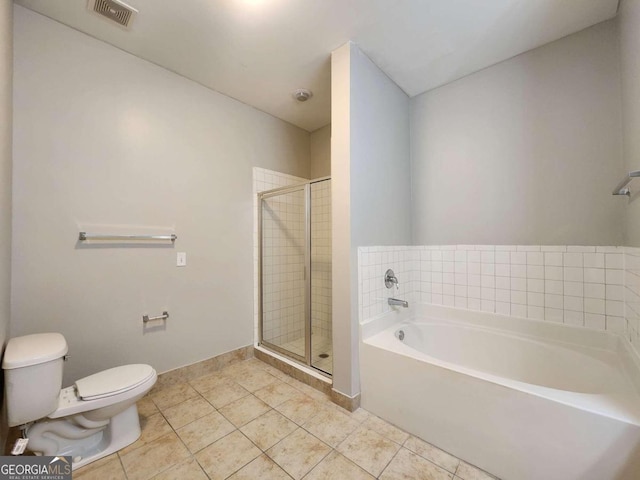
[{"x": 578, "y": 285}]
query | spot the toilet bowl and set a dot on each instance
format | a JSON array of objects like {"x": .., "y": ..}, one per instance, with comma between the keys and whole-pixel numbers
[{"x": 89, "y": 420}]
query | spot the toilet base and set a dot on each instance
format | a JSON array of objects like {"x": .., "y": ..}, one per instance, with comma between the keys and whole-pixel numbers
[{"x": 62, "y": 437}]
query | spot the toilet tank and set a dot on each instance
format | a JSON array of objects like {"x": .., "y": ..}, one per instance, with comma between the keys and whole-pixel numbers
[{"x": 33, "y": 366}]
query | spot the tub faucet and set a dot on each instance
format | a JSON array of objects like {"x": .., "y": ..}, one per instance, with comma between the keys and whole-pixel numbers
[{"x": 402, "y": 303}]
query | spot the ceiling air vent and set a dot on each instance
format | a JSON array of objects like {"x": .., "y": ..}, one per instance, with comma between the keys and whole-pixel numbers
[{"x": 114, "y": 10}]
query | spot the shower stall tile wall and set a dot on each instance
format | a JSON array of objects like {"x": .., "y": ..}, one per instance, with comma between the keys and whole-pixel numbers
[{"x": 579, "y": 285}]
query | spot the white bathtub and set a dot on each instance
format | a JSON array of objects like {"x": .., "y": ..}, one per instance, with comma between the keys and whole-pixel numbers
[{"x": 522, "y": 399}]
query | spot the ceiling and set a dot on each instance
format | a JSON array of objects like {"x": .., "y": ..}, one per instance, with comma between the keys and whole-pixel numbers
[{"x": 260, "y": 51}]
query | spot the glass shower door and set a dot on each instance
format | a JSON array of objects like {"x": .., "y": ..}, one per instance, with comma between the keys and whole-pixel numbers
[{"x": 283, "y": 270}]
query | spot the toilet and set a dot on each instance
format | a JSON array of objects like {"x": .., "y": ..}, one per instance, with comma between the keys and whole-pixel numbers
[{"x": 89, "y": 420}]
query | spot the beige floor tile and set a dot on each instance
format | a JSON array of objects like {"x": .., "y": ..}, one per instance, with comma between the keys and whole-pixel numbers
[
  {"x": 359, "y": 415},
  {"x": 311, "y": 392},
  {"x": 227, "y": 455},
  {"x": 407, "y": 465},
  {"x": 244, "y": 410},
  {"x": 298, "y": 453},
  {"x": 434, "y": 454},
  {"x": 262, "y": 468},
  {"x": 369, "y": 450},
  {"x": 187, "y": 470},
  {"x": 337, "y": 467},
  {"x": 225, "y": 393},
  {"x": 168, "y": 397},
  {"x": 146, "y": 407},
  {"x": 105, "y": 470},
  {"x": 276, "y": 373},
  {"x": 188, "y": 411},
  {"x": 268, "y": 429},
  {"x": 204, "y": 431},
  {"x": 330, "y": 426},
  {"x": 386, "y": 429},
  {"x": 255, "y": 379},
  {"x": 153, "y": 426},
  {"x": 276, "y": 393},
  {"x": 240, "y": 368},
  {"x": 299, "y": 408},
  {"x": 469, "y": 472},
  {"x": 154, "y": 457},
  {"x": 209, "y": 382}
]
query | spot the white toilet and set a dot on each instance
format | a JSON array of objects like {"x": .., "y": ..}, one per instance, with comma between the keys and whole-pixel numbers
[{"x": 92, "y": 419}]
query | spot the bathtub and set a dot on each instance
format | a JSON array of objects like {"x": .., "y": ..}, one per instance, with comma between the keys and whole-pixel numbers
[{"x": 522, "y": 399}]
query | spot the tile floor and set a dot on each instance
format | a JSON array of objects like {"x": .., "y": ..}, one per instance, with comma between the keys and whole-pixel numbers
[{"x": 251, "y": 421}]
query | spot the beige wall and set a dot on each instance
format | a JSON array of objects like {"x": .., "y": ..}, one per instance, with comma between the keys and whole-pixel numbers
[
  {"x": 526, "y": 151},
  {"x": 104, "y": 138},
  {"x": 370, "y": 172},
  {"x": 320, "y": 142},
  {"x": 629, "y": 31},
  {"x": 6, "y": 70}
]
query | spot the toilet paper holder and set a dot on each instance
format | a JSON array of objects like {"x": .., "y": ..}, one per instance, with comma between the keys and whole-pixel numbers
[{"x": 147, "y": 318}]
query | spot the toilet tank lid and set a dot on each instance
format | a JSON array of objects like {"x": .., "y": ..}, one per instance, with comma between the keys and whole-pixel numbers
[{"x": 34, "y": 349}]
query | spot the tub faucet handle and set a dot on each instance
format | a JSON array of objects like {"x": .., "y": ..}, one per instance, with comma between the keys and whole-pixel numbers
[{"x": 390, "y": 279}]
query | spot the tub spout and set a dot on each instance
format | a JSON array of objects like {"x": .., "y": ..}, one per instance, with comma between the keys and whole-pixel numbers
[{"x": 402, "y": 303}]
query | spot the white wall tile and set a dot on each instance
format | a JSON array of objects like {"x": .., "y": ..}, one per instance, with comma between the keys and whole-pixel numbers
[
  {"x": 505, "y": 283},
  {"x": 535, "y": 299},
  {"x": 553, "y": 301},
  {"x": 594, "y": 290},
  {"x": 614, "y": 260},
  {"x": 535, "y": 271},
  {"x": 595, "y": 287},
  {"x": 503, "y": 295},
  {"x": 553, "y": 286},
  {"x": 518, "y": 297},
  {"x": 535, "y": 285},
  {"x": 519, "y": 284},
  {"x": 553, "y": 259},
  {"x": 572, "y": 260},
  {"x": 553, "y": 273},
  {"x": 594, "y": 305},
  {"x": 594, "y": 275},
  {"x": 535, "y": 258},
  {"x": 614, "y": 292},
  {"x": 573, "y": 274},
  {"x": 614, "y": 277},
  {"x": 518, "y": 258},
  {"x": 594, "y": 260}
]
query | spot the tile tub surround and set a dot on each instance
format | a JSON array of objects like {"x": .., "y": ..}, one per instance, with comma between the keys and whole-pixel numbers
[
  {"x": 591, "y": 286},
  {"x": 250, "y": 421}
]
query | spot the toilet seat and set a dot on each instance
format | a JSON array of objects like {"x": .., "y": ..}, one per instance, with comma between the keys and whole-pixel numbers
[{"x": 112, "y": 381}]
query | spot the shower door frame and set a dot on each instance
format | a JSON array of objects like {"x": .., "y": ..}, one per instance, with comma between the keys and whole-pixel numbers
[
  {"x": 305, "y": 187},
  {"x": 307, "y": 358}
]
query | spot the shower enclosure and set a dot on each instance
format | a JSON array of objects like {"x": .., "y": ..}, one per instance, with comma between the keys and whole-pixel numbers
[{"x": 295, "y": 272}]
